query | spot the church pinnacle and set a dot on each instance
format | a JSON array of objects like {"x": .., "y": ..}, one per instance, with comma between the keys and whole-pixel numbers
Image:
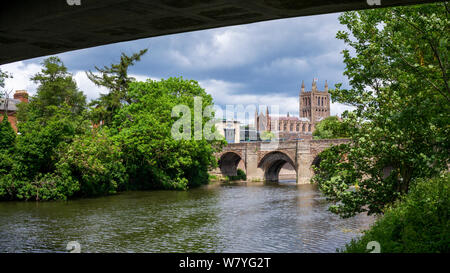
[{"x": 314, "y": 85}]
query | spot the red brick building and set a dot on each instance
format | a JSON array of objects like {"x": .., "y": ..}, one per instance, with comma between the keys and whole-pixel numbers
[{"x": 10, "y": 106}]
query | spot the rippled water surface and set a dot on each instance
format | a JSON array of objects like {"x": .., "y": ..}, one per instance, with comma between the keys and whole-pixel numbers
[{"x": 247, "y": 217}]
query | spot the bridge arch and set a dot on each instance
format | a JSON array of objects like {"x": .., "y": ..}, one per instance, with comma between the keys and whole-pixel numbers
[
  {"x": 316, "y": 162},
  {"x": 272, "y": 163},
  {"x": 228, "y": 163}
]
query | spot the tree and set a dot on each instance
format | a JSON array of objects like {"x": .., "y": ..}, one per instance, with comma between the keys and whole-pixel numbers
[
  {"x": 266, "y": 135},
  {"x": 115, "y": 78},
  {"x": 331, "y": 127},
  {"x": 142, "y": 130},
  {"x": 7, "y": 148},
  {"x": 7, "y": 135},
  {"x": 93, "y": 160},
  {"x": 56, "y": 87},
  {"x": 3, "y": 93},
  {"x": 3, "y": 76},
  {"x": 52, "y": 119},
  {"x": 31, "y": 170},
  {"x": 399, "y": 86},
  {"x": 417, "y": 224},
  {"x": 37, "y": 146}
]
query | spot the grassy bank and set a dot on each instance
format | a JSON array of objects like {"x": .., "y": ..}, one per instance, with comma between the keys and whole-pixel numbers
[{"x": 419, "y": 223}]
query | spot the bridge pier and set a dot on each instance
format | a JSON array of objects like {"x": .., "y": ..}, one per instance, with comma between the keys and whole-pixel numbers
[
  {"x": 253, "y": 172},
  {"x": 304, "y": 170}
]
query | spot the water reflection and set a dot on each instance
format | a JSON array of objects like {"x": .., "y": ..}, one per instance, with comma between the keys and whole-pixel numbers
[{"x": 239, "y": 217}]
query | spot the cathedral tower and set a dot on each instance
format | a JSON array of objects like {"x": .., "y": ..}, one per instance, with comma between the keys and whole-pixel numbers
[{"x": 314, "y": 104}]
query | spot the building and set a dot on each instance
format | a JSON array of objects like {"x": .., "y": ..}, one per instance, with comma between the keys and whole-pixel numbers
[
  {"x": 230, "y": 129},
  {"x": 9, "y": 106},
  {"x": 314, "y": 105},
  {"x": 249, "y": 134}
]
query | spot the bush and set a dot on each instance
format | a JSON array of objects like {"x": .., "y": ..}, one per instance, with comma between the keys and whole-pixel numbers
[
  {"x": 213, "y": 177},
  {"x": 48, "y": 187},
  {"x": 240, "y": 176},
  {"x": 419, "y": 223},
  {"x": 94, "y": 162},
  {"x": 331, "y": 127},
  {"x": 7, "y": 135}
]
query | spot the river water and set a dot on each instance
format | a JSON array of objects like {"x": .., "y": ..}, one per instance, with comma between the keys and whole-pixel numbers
[{"x": 240, "y": 217}]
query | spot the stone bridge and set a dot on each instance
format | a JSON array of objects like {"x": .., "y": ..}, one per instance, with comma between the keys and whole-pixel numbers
[{"x": 264, "y": 160}]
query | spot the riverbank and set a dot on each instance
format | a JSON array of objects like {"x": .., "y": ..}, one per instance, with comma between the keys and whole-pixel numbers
[{"x": 417, "y": 224}]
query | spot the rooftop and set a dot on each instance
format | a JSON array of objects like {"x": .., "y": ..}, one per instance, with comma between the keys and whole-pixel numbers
[{"x": 12, "y": 104}]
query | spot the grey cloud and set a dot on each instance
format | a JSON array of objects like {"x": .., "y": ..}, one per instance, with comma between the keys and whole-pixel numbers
[{"x": 256, "y": 62}]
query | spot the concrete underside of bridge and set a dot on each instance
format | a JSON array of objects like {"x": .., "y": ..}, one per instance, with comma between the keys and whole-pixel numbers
[{"x": 31, "y": 28}]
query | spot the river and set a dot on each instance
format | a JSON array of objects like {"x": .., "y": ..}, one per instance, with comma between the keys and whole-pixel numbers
[{"x": 239, "y": 217}]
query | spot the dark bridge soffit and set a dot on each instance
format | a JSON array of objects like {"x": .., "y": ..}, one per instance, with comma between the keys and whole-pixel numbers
[{"x": 30, "y": 28}]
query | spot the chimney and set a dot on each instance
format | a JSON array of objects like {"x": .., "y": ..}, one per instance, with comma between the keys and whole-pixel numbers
[
  {"x": 326, "y": 86},
  {"x": 21, "y": 95}
]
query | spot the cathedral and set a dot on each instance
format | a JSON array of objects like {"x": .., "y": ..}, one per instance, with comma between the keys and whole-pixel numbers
[{"x": 314, "y": 105}]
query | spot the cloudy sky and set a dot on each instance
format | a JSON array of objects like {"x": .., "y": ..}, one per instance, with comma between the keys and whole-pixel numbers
[{"x": 261, "y": 63}]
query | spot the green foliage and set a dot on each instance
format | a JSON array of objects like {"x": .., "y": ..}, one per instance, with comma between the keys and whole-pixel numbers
[
  {"x": 115, "y": 78},
  {"x": 399, "y": 86},
  {"x": 7, "y": 135},
  {"x": 419, "y": 223},
  {"x": 54, "y": 157},
  {"x": 32, "y": 171},
  {"x": 7, "y": 148},
  {"x": 94, "y": 161},
  {"x": 266, "y": 135},
  {"x": 37, "y": 146},
  {"x": 59, "y": 154},
  {"x": 61, "y": 158},
  {"x": 56, "y": 88},
  {"x": 143, "y": 131},
  {"x": 3, "y": 75},
  {"x": 240, "y": 176},
  {"x": 213, "y": 177},
  {"x": 331, "y": 127}
]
